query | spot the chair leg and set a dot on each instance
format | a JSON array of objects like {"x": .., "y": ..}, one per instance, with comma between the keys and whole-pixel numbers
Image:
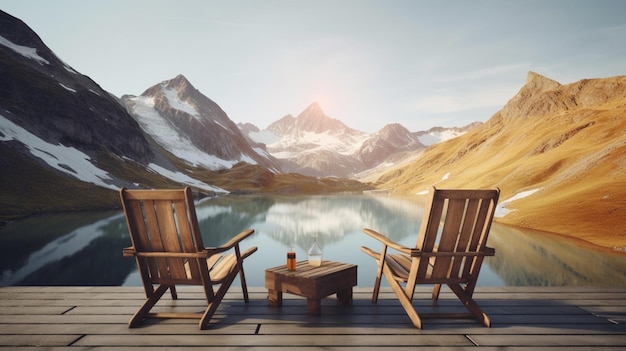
[
  {"x": 376, "y": 288},
  {"x": 244, "y": 286},
  {"x": 379, "y": 273},
  {"x": 405, "y": 301},
  {"x": 436, "y": 291},
  {"x": 215, "y": 303},
  {"x": 242, "y": 276},
  {"x": 470, "y": 304},
  {"x": 151, "y": 300},
  {"x": 173, "y": 292}
]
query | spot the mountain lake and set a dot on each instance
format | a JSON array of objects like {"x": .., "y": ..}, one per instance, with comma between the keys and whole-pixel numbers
[{"x": 85, "y": 248}]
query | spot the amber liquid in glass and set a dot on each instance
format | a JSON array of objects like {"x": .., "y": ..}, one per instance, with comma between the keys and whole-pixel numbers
[{"x": 291, "y": 261}]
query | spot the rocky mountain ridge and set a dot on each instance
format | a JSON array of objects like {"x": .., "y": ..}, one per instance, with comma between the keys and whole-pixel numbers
[
  {"x": 53, "y": 121},
  {"x": 193, "y": 127},
  {"x": 558, "y": 153},
  {"x": 60, "y": 105},
  {"x": 315, "y": 144}
]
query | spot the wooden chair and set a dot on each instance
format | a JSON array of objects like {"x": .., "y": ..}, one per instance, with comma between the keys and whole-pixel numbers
[
  {"x": 167, "y": 246},
  {"x": 450, "y": 249}
]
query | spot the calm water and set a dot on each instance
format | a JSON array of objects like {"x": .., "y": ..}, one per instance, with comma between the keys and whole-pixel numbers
[{"x": 86, "y": 248}]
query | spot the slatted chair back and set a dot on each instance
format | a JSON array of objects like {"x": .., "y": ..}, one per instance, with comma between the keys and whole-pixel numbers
[
  {"x": 450, "y": 249},
  {"x": 165, "y": 221},
  {"x": 455, "y": 230}
]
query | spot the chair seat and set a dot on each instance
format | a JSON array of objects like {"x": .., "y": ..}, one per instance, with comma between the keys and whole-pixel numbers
[
  {"x": 400, "y": 266},
  {"x": 220, "y": 266}
]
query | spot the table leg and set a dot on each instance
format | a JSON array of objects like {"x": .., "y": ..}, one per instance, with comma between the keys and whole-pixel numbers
[
  {"x": 274, "y": 297},
  {"x": 344, "y": 297},
  {"x": 314, "y": 306}
]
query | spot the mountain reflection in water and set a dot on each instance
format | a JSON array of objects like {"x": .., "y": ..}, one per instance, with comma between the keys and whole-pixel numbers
[{"x": 86, "y": 248}]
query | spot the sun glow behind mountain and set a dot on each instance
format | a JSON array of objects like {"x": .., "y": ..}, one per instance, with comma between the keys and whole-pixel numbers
[{"x": 418, "y": 63}]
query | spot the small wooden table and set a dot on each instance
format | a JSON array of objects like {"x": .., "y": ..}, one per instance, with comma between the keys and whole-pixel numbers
[{"x": 314, "y": 283}]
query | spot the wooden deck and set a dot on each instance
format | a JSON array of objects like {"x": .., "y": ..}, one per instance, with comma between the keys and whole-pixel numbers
[{"x": 88, "y": 318}]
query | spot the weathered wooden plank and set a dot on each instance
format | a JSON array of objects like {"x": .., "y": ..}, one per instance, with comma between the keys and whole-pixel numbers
[
  {"x": 576, "y": 340},
  {"x": 271, "y": 340},
  {"x": 359, "y": 306},
  {"x": 46, "y": 348},
  {"x": 328, "y": 309},
  {"x": 8, "y": 310},
  {"x": 357, "y": 290},
  {"x": 46, "y": 319},
  {"x": 565, "y": 296},
  {"x": 187, "y": 328},
  {"x": 440, "y": 328},
  {"x": 552, "y": 319},
  {"x": 37, "y": 340},
  {"x": 316, "y": 348},
  {"x": 132, "y": 293},
  {"x": 222, "y": 319},
  {"x": 323, "y": 348}
]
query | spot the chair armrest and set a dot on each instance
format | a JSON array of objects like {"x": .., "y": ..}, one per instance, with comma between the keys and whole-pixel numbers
[
  {"x": 385, "y": 240},
  {"x": 201, "y": 254},
  {"x": 232, "y": 242},
  {"x": 128, "y": 251},
  {"x": 489, "y": 251},
  {"x": 374, "y": 254},
  {"x": 248, "y": 252},
  {"x": 131, "y": 252},
  {"x": 419, "y": 253}
]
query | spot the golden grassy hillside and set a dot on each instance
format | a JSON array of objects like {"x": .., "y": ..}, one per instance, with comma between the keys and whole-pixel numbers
[{"x": 567, "y": 143}]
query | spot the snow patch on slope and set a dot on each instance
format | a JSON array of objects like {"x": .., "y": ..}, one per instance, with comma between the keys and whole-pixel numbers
[
  {"x": 168, "y": 136},
  {"x": 501, "y": 209},
  {"x": 184, "y": 179},
  {"x": 77, "y": 164},
  {"x": 65, "y": 159},
  {"x": 178, "y": 104},
  {"x": 67, "y": 88},
  {"x": 25, "y": 51}
]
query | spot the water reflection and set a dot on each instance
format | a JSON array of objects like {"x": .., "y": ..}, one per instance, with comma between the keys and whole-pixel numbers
[
  {"x": 66, "y": 249},
  {"x": 534, "y": 258},
  {"x": 85, "y": 249}
]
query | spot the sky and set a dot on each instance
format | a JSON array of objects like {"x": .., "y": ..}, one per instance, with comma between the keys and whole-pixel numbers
[{"x": 368, "y": 63}]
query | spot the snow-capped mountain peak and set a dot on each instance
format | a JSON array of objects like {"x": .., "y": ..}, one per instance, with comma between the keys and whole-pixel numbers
[
  {"x": 192, "y": 126},
  {"x": 311, "y": 120},
  {"x": 315, "y": 144}
]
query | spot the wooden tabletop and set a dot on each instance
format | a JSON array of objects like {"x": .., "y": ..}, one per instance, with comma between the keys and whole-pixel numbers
[{"x": 303, "y": 269}]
